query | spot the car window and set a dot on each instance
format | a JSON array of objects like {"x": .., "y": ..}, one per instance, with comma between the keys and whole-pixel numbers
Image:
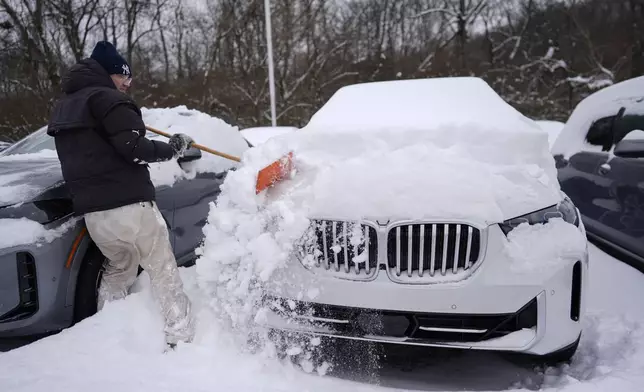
[{"x": 35, "y": 142}]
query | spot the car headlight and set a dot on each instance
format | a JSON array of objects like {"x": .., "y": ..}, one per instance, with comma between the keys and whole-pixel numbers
[
  {"x": 41, "y": 211},
  {"x": 565, "y": 210}
]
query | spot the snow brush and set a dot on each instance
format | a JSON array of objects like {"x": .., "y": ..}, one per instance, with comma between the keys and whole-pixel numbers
[{"x": 268, "y": 176}]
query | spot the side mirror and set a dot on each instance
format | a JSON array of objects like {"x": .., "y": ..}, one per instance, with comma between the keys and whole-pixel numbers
[
  {"x": 191, "y": 154},
  {"x": 629, "y": 122},
  {"x": 602, "y": 131},
  {"x": 610, "y": 131},
  {"x": 630, "y": 148}
]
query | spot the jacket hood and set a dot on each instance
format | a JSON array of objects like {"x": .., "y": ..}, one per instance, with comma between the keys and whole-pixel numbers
[{"x": 86, "y": 73}]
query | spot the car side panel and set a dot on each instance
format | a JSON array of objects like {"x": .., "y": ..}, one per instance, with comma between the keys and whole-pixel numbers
[
  {"x": 192, "y": 199},
  {"x": 622, "y": 218},
  {"x": 52, "y": 280},
  {"x": 165, "y": 203},
  {"x": 580, "y": 180}
]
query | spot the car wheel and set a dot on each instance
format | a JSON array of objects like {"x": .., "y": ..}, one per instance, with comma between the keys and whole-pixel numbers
[{"x": 87, "y": 283}]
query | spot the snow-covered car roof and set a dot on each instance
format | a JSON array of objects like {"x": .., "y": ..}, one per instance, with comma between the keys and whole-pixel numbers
[
  {"x": 419, "y": 104},
  {"x": 259, "y": 135},
  {"x": 603, "y": 103}
]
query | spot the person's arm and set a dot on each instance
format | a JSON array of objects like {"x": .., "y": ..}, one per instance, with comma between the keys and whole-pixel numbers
[{"x": 125, "y": 130}]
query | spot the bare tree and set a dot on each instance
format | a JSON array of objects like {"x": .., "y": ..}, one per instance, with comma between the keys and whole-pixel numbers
[{"x": 76, "y": 18}]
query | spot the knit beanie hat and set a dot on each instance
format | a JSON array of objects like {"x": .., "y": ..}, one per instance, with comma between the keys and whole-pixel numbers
[{"x": 106, "y": 55}]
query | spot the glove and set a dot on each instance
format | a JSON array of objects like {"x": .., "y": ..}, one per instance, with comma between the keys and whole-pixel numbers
[{"x": 180, "y": 142}]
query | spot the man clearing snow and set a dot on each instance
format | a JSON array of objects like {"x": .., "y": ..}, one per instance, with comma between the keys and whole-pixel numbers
[{"x": 101, "y": 144}]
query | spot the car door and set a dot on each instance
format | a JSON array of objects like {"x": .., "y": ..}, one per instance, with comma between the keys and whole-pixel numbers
[
  {"x": 622, "y": 217},
  {"x": 192, "y": 199},
  {"x": 165, "y": 203},
  {"x": 580, "y": 180},
  {"x": 583, "y": 178}
]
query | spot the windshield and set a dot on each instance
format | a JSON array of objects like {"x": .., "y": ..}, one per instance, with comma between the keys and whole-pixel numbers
[{"x": 35, "y": 142}]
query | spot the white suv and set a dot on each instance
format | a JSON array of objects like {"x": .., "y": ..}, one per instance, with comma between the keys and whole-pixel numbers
[{"x": 434, "y": 218}]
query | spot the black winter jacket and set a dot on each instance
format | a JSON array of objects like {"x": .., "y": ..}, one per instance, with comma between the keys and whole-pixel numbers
[{"x": 101, "y": 144}]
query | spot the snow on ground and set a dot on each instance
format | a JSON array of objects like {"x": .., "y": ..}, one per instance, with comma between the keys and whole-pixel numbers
[
  {"x": 121, "y": 349},
  {"x": 552, "y": 128}
]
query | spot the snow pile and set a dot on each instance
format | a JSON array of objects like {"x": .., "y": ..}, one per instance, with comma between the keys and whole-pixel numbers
[
  {"x": 354, "y": 160},
  {"x": 242, "y": 248},
  {"x": 23, "y": 231},
  {"x": 528, "y": 253},
  {"x": 552, "y": 128},
  {"x": 421, "y": 104},
  {"x": 205, "y": 130},
  {"x": 260, "y": 135},
  {"x": 603, "y": 103}
]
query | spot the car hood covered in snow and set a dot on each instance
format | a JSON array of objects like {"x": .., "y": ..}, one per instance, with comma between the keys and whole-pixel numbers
[
  {"x": 433, "y": 149},
  {"x": 24, "y": 176}
]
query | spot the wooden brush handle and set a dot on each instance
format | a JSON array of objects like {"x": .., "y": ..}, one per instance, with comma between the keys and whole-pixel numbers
[{"x": 197, "y": 146}]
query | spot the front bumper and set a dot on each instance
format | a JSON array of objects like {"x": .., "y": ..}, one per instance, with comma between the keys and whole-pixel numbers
[
  {"x": 494, "y": 291},
  {"x": 37, "y": 284}
]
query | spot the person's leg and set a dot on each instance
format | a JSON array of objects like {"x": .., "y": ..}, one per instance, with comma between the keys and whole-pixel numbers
[
  {"x": 157, "y": 258},
  {"x": 113, "y": 232}
]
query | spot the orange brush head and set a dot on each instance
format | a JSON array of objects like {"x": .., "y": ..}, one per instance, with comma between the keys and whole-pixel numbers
[{"x": 275, "y": 172}]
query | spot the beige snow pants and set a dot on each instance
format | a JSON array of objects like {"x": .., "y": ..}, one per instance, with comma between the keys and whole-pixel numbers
[{"x": 135, "y": 235}]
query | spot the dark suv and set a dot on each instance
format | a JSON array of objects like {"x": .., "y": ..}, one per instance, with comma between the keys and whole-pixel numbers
[{"x": 607, "y": 188}]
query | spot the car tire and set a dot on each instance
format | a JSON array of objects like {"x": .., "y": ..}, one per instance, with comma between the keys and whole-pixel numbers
[{"x": 87, "y": 283}]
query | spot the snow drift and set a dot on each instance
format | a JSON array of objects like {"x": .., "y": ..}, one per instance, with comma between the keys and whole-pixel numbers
[{"x": 204, "y": 129}]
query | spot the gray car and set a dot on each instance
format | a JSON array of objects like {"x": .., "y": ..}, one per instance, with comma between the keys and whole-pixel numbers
[
  {"x": 608, "y": 190},
  {"x": 49, "y": 286}
]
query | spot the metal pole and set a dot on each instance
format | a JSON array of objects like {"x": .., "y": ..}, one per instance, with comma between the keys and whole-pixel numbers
[{"x": 271, "y": 72}]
